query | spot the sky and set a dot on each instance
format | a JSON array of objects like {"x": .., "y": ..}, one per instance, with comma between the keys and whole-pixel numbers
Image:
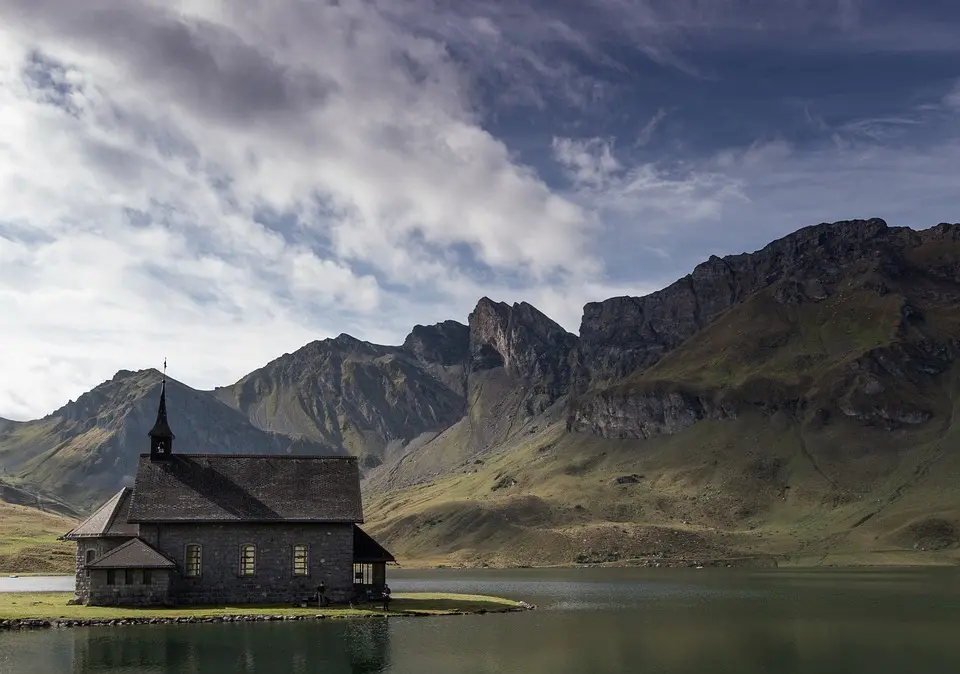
[{"x": 219, "y": 183}]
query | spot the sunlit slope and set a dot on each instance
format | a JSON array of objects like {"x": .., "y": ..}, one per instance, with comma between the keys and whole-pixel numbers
[{"x": 820, "y": 429}]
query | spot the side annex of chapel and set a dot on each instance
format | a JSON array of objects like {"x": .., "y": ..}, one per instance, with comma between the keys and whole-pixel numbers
[{"x": 228, "y": 528}]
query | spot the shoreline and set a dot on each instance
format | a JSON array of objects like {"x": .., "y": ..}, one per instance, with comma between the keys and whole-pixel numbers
[{"x": 35, "y": 610}]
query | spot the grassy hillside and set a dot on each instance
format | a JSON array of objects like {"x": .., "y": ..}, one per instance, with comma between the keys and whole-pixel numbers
[
  {"x": 723, "y": 490},
  {"x": 838, "y": 442},
  {"x": 28, "y": 541}
]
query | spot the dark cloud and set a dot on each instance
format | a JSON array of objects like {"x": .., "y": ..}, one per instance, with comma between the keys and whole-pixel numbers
[
  {"x": 200, "y": 65},
  {"x": 49, "y": 82}
]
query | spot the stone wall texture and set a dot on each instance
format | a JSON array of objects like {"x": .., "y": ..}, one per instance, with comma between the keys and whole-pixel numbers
[
  {"x": 99, "y": 546},
  {"x": 330, "y": 560},
  {"x": 121, "y": 593}
]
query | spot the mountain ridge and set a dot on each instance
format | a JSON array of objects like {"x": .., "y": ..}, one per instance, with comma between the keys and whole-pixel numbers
[{"x": 473, "y": 436}]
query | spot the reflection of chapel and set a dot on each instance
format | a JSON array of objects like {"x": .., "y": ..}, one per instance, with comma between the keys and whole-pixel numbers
[{"x": 228, "y": 528}]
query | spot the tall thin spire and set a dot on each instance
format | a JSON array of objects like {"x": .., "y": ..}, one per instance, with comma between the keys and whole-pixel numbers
[{"x": 161, "y": 436}]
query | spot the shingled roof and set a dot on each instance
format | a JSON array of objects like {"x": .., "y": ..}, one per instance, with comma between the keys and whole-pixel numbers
[
  {"x": 110, "y": 519},
  {"x": 134, "y": 554},
  {"x": 246, "y": 488},
  {"x": 365, "y": 549}
]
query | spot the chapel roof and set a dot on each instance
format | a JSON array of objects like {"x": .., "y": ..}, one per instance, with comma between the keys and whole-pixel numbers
[
  {"x": 134, "y": 554},
  {"x": 247, "y": 488},
  {"x": 366, "y": 549},
  {"x": 109, "y": 520}
]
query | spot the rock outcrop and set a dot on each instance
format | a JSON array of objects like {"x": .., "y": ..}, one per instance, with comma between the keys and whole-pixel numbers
[
  {"x": 620, "y": 414},
  {"x": 873, "y": 280},
  {"x": 624, "y": 334},
  {"x": 443, "y": 350},
  {"x": 527, "y": 344}
]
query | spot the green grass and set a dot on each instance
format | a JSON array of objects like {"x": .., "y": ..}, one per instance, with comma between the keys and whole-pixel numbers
[
  {"x": 50, "y": 606},
  {"x": 28, "y": 541},
  {"x": 711, "y": 492}
]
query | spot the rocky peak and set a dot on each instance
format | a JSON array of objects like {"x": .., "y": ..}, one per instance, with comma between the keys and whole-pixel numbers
[
  {"x": 446, "y": 343},
  {"x": 625, "y": 334},
  {"x": 526, "y": 343}
]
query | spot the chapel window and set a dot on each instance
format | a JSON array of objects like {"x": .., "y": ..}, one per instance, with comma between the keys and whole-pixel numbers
[
  {"x": 193, "y": 561},
  {"x": 301, "y": 560},
  {"x": 248, "y": 560}
]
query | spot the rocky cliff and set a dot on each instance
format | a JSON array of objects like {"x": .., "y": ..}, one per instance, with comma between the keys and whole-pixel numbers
[
  {"x": 624, "y": 334},
  {"x": 827, "y": 318},
  {"x": 527, "y": 344}
]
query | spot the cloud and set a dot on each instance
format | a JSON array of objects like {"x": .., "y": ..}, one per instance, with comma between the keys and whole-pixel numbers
[
  {"x": 589, "y": 162},
  {"x": 654, "y": 193},
  {"x": 219, "y": 183},
  {"x": 170, "y": 174},
  {"x": 952, "y": 99},
  {"x": 646, "y": 133}
]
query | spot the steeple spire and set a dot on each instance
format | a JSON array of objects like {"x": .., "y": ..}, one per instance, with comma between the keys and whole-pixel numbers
[{"x": 161, "y": 437}]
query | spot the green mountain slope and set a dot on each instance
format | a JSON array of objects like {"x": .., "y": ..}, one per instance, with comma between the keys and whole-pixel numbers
[
  {"x": 364, "y": 398},
  {"x": 814, "y": 417},
  {"x": 88, "y": 449}
]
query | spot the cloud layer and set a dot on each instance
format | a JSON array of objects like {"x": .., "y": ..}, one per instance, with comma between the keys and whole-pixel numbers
[{"x": 220, "y": 183}]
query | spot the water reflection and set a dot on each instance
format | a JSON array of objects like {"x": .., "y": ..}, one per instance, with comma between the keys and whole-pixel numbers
[
  {"x": 593, "y": 622},
  {"x": 357, "y": 647}
]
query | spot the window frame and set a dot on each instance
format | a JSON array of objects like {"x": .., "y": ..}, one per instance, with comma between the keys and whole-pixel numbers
[
  {"x": 242, "y": 570},
  {"x": 111, "y": 576},
  {"x": 148, "y": 576},
  {"x": 188, "y": 568},
  {"x": 128, "y": 577},
  {"x": 305, "y": 572}
]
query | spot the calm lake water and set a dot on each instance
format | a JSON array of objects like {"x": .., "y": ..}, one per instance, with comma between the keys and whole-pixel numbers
[{"x": 589, "y": 621}]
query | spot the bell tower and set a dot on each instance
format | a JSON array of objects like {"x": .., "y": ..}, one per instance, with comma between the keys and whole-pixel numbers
[{"x": 161, "y": 437}]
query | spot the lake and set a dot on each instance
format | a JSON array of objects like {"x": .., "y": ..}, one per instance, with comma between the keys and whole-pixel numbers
[{"x": 590, "y": 621}]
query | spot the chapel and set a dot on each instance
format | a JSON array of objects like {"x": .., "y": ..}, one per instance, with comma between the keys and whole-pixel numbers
[{"x": 222, "y": 529}]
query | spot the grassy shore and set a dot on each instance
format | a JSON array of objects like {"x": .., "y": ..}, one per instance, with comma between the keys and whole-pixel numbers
[{"x": 53, "y": 606}]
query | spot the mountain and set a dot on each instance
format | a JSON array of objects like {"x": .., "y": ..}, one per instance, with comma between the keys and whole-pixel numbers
[
  {"x": 88, "y": 448},
  {"x": 798, "y": 402},
  {"x": 364, "y": 398}
]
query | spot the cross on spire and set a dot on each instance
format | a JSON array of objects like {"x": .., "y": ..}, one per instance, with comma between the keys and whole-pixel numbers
[{"x": 161, "y": 437}]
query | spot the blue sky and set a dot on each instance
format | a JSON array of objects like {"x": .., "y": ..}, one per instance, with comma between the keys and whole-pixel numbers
[{"x": 219, "y": 183}]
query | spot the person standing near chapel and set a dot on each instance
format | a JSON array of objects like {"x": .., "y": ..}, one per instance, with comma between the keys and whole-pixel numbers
[{"x": 322, "y": 594}]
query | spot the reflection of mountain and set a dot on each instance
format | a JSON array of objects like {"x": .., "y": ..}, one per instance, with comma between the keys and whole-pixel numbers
[{"x": 336, "y": 647}]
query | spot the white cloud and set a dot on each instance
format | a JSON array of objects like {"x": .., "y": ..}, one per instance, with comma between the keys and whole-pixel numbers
[
  {"x": 142, "y": 146},
  {"x": 589, "y": 162},
  {"x": 654, "y": 195}
]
